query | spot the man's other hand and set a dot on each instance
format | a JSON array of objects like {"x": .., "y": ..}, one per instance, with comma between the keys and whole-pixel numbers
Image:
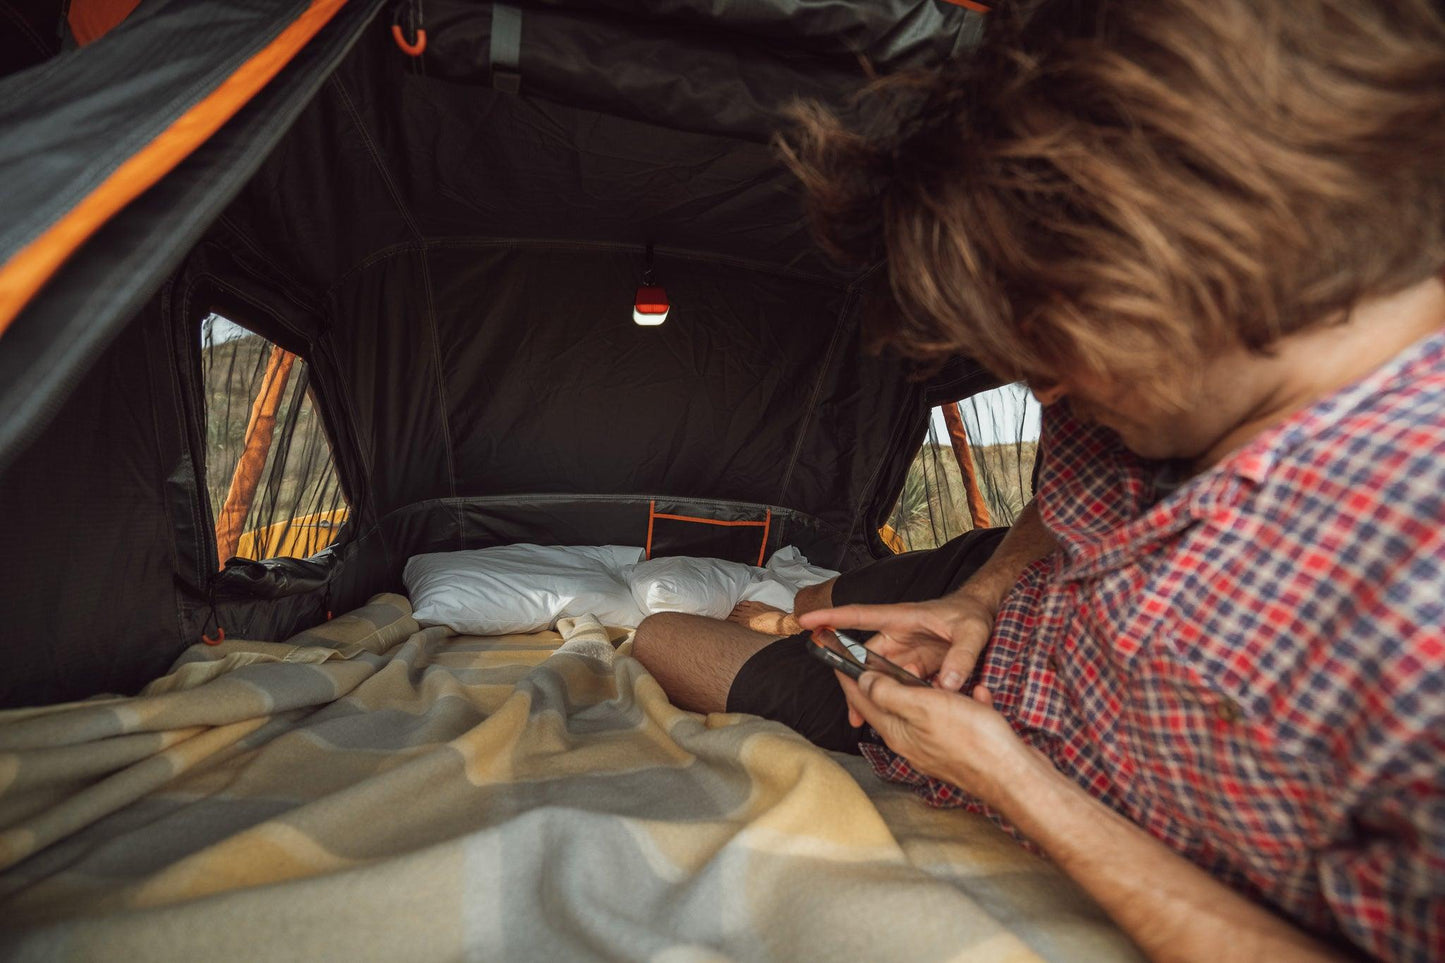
[{"x": 960, "y": 739}]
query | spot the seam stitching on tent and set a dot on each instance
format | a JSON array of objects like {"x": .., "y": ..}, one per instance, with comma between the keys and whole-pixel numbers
[
  {"x": 201, "y": 514},
  {"x": 823, "y": 369},
  {"x": 397, "y": 250},
  {"x": 442, "y": 404},
  {"x": 23, "y": 27},
  {"x": 371, "y": 148},
  {"x": 430, "y": 317},
  {"x": 359, "y": 441},
  {"x": 255, "y": 250},
  {"x": 873, "y": 480},
  {"x": 177, "y": 382},
  {"x": 224, "y": 285}
]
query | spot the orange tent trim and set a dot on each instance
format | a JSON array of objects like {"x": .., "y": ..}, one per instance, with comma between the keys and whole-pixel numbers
[
  {"x": 28, "y": 270},
  {"x": 653, "y": 515}
]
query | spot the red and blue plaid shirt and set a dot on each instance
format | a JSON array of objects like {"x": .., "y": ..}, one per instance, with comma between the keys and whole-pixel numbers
[{"x": 1252, "y": 666}]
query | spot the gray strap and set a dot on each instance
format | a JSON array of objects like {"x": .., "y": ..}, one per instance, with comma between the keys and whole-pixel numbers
[{"x": 506, "y": 48}]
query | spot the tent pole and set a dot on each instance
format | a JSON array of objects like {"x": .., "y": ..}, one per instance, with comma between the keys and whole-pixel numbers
[
  {"x": 247, "y": 477},
  {"x": 977, "y": 507}
]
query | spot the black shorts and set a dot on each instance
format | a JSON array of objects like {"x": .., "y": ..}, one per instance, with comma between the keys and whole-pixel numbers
[{"x": 783, "y": 682}]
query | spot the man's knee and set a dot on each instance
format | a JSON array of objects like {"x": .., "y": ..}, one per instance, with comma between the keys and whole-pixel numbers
[
  {"x": 810, "y": 598},
  {"x": 657, "y": 633}
]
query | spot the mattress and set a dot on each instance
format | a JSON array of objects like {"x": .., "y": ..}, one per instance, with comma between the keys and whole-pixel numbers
[{"x": 374, "y": 790}]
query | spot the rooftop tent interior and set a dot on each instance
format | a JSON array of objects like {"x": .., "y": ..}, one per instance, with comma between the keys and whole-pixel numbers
[{"x": 452, "y": 242}]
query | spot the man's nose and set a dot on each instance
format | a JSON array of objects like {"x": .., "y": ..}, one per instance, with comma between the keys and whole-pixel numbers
[{"x": 1048, "y": 392}]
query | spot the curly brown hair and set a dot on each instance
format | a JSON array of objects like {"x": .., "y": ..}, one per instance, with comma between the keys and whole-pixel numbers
[{"x": 1129, "y": 185}]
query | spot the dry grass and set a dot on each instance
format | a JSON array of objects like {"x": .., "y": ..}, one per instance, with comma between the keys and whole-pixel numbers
[{"x": 933, "y": 507}]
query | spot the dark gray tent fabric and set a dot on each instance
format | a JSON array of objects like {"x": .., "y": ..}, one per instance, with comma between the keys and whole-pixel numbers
[
  {"x": 94, "y": 513},
  {"x": 457, "y": 265},
  {"x": 721, "y": 66},
  {"x": 62, "y": 331}
]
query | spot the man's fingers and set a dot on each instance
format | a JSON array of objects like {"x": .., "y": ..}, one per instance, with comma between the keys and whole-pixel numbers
[
  {"x": 857, "y": 701},
  {"x": 844, "y": 616},
  {"x": 894, "y": 698}
]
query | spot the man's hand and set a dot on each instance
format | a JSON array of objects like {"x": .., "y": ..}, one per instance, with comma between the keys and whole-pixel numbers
[
  {"x": 947, "y": 735},
  {"x": 943, "y": 635}
]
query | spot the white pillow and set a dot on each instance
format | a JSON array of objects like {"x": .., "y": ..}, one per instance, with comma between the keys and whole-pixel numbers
[
  {"x": 769, "y": 591},
  {"x": 789, "y": 566},
  {"x": 701, "y": 586},
  {"x": 778, "y": 584},
  {"x": 521, "y": 588},
  {"x": 713, "y": 587}
]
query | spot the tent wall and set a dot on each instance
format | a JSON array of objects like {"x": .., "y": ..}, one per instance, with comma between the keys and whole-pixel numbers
[
  {"x": 101, "y": 533},
  {"x": 72, "y": 122},
  {"x": 478, "y": 303}
]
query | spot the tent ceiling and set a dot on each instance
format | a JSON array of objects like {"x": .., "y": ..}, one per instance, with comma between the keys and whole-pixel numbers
[{"x": 713, "y": 66}]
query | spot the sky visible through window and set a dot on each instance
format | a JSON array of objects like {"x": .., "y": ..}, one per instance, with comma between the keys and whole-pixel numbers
[{"x": 1005, "y": 415}]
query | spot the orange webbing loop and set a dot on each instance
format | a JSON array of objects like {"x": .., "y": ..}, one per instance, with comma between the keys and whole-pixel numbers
[{"x": 412, "y": 49}]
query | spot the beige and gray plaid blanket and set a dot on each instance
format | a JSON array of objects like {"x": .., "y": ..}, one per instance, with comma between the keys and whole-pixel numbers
[{"x": 372, "y": 790}]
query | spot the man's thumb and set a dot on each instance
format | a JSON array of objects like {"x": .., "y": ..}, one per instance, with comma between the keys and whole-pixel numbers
[{"x": 957, "y": 664}]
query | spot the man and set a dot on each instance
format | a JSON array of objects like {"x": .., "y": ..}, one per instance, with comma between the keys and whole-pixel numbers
[{"x": 1205, "y": 673}]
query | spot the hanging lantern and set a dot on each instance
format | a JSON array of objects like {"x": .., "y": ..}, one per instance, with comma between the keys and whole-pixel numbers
[{"x": 650, "y": 307}]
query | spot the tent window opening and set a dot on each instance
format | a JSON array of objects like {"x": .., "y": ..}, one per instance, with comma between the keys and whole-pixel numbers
[
  {"x": 270, "y": 474},
  {"x": 974, "y": 470}
]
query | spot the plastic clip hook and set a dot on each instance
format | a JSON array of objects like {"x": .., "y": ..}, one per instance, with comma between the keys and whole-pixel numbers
[
  {"x": 212, "y": 619},
  {"x": 412, "y": 48}
]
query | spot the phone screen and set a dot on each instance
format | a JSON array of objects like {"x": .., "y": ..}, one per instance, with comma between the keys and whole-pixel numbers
[{"x": 837, "y": 650}]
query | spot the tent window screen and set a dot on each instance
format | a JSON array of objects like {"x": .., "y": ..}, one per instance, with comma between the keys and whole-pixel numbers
[
  {"x": 270, "y": 475},
  {"x": 974, "y": 470}
]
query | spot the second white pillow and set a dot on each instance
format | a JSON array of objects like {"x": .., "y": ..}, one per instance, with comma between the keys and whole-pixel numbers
[{"x": 701, "y": 586}]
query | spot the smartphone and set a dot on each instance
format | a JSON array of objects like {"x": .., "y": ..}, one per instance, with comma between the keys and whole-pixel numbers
[{"x": 835, "y": 649}]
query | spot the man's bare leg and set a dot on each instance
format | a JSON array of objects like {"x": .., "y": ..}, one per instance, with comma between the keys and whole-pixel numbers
[{"x": 695, "y": 658}]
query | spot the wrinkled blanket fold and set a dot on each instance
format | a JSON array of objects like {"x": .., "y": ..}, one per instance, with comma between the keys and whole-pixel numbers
[{"x": 373, "y": 790}]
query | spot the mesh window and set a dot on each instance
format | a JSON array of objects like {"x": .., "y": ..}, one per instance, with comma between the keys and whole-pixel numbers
[
  {"x": 996, "y": 435},
  {"x": 269, "y": 472}
]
